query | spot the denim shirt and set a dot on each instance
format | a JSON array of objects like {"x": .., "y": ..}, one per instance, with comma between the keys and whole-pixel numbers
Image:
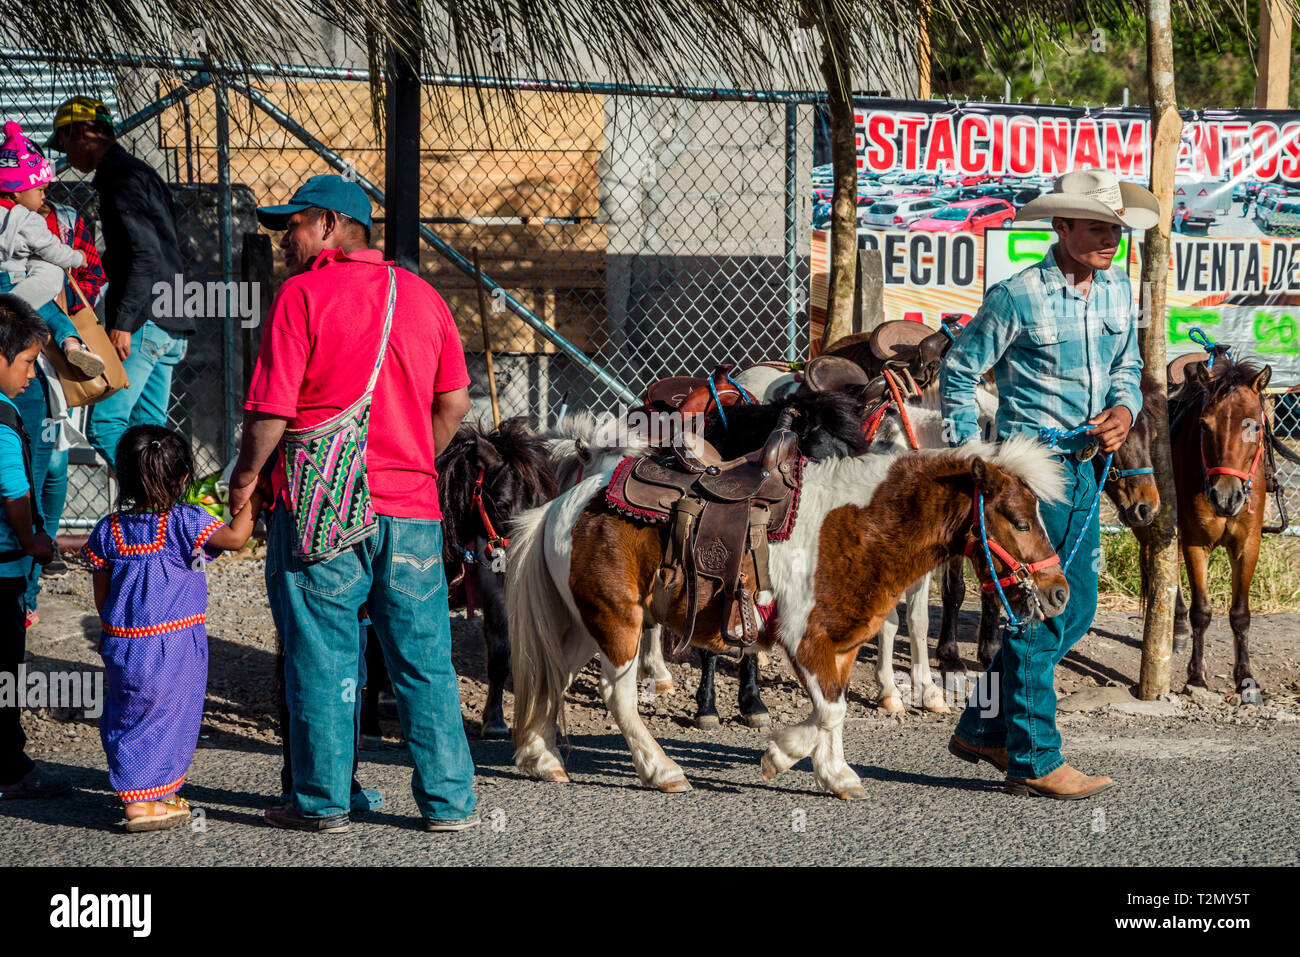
[{"x": 1058, "y": 357}]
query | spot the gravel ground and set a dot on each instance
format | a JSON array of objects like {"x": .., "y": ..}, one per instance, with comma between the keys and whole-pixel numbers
[{"x": 1194, "y": 759}]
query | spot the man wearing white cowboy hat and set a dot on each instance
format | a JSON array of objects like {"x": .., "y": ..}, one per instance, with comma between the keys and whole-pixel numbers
[{"x": 1060, "y": 338}]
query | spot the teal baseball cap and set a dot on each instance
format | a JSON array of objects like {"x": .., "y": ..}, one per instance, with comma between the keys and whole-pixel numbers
[{"x": 326, "y": 191}]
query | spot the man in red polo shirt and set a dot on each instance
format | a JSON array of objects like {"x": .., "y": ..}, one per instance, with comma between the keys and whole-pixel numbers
[{"x": 318, "y": 349}]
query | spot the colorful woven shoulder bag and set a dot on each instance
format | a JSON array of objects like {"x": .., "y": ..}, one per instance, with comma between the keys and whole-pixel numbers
[{"x": 325, "y": 466}]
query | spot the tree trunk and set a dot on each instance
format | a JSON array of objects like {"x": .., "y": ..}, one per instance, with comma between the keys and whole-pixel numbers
[
  {"x": 1161, "y": 571},
  {"x": 837, "y": 72}
]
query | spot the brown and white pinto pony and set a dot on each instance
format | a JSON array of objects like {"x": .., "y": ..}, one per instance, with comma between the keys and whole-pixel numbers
[
  {"x": 580, "y": 579},
  {"x": 1219, "y": 473}
]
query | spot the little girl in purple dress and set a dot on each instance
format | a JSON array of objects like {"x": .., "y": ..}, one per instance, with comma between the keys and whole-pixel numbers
[{"x": 152, "y": 596}]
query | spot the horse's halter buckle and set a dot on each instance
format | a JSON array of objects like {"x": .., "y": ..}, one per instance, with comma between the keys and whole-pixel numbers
[{"x": 494, "y": 541}]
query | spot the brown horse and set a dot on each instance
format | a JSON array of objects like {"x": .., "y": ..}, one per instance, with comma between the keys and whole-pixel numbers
[
  {"x": 1218, "y": 443},
  {"x": 580, "y": 580}
]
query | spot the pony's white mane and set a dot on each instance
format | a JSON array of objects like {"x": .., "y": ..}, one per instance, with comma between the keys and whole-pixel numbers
[
  {"x": 583, "y": 442},
  {"x": 1024, "y": 457}
]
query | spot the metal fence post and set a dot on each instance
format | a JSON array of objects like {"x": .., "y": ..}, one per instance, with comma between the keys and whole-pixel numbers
[
  {"x": 792, "y": 231},
  {"x": 225, "y": 226}
]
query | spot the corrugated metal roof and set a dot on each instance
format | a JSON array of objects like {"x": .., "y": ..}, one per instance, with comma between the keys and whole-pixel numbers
[{"x": 31, "y": 92}]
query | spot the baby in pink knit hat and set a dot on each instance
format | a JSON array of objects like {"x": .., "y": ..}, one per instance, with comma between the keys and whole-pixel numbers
[{"x": 31, "y": 253}]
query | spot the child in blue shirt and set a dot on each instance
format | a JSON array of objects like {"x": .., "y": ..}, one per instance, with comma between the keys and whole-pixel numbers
[{"x": 22, "y": 334}]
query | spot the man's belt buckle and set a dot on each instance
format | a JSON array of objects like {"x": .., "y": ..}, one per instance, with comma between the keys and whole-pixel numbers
[{"x": 1087, "y": 452}]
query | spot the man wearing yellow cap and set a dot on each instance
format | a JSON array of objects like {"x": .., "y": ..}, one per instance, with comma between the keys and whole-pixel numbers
[{"x": 142, "y": 250}]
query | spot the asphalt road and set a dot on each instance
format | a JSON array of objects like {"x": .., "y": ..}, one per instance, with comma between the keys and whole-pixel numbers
[{"x": 1190, "y": 791}]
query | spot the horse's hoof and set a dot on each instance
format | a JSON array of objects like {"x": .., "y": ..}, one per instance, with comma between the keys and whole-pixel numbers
[
  {"x": 494, "y": 732},
  {"x": 558, "y": 776},
  {"x": 707, "y": 722},
  {"x": 665, "y": 686},
  {"x": 892, "y": 704},
  {"x": 855, "y": 793},
  {"x": 1180, "y": 643},
  {"x": 935, "y": 703},
  {"x": 760, "y": 720},
  {"x": 675, "y": 785},
  {"x": 768, "y": 768}
]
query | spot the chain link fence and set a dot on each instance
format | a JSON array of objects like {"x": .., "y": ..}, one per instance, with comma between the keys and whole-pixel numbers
[
  {"x": 623, "y": 237},
  {"x": 654, "y": 235}
]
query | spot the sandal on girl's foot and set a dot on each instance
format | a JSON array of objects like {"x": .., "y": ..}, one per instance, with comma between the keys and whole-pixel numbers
[
  {"x": 160, "y": 816},
  {"x": 33, "y": 619},
  {"x": 85, "y": 361}
]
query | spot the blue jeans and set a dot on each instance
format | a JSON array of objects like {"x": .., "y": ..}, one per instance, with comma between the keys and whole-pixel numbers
[
  {"x": 397, "y": 574},
  {"x": 154, "y": 355},
  {"x": 34, "y": 408},
  {"x": 52, "y": 494},
  {"x": 1025, "y": 667}
]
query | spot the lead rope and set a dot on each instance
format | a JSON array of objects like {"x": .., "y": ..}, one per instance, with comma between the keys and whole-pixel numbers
[
  {"x": 717, "y": 400},
  {"x": 1014, "y": 624}
]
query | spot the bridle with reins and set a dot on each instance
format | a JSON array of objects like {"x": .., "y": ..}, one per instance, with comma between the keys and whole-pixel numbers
[{"x": 1021, "y": 573}]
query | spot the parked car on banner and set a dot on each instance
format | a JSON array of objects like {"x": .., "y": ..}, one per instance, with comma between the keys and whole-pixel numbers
[
  {"x": 1244, "y": 190},
  {"x": 968, "y": 216},
  {"x": 1014, "y": 196},
  {"x": 897, "y": 213},
  {"x": 1279, "y": 215}
]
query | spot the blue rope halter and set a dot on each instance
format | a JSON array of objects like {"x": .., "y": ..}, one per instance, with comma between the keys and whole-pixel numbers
[
  {"x": 717, "y": 402},
  {"x": 1198, "y": 336}
]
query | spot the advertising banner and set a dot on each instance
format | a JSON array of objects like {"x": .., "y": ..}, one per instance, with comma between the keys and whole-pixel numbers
[{"x": 939, "y": 185}]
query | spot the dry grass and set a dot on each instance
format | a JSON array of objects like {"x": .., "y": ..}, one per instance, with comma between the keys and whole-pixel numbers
[{"x": 1275, "y": 588}]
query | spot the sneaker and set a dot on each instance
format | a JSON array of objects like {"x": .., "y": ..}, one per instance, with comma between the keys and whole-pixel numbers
[
  {"x": 89, "y": 364},
  {"x": 35, "y": 784},
  {"x": 56, "y": 567},
  {"x": 452, "y": 824},
  {"x": 289, "y": 817}
]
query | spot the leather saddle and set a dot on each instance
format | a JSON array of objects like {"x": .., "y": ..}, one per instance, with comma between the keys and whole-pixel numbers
[
  {"x": 691, "y": 394},
  {"x": 911, "y": 350},
  {"x": 721, "y": 515}
]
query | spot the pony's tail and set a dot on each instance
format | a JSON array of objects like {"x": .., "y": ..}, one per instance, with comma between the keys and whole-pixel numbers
[{"x": 539, "y": 620}]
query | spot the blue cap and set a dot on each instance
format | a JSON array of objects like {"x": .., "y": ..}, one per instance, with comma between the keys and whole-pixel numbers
[{"x": 326, "y": 191}]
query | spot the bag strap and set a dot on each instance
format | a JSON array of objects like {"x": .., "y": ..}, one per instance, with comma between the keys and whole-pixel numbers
[
  {"x": 388, "y": 325},
  {"x": 73, "y": 283}
]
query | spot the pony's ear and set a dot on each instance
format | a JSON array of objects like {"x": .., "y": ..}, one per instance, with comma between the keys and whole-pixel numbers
[
  {"x": 1261, "y": 380},
  {"x": 987, "y": 476},
  {"x": 488, "y": 456}
]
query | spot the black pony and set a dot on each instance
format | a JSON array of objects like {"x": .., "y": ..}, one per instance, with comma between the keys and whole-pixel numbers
[
  {"x": 485, "y": 478},
  {"x": 829, "y": 425}
]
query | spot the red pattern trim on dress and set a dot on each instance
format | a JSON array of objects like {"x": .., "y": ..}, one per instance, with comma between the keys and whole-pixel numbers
[
  {"x": 91, "y": 557},
  {"x": 151, "y": 794},
  {"x": 208, "y": 532},
  {"x": 148, "y": 548},
  {"x": 145, "y": 631}
]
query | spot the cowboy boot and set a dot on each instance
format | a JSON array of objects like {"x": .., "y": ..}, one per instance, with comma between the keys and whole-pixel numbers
[
  {"x": 1063, "y": 784},
  {"x": 974, "y": 753}
]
